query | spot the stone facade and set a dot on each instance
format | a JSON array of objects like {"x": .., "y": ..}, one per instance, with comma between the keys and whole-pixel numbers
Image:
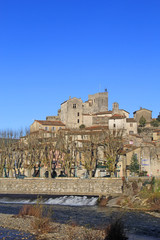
[
  {"x": 147, "y": 114},
  {"x": 46, "y": 128},
  {"x": 74, "y": 112},
  {"x": 62, "y": 186},
  {"x": 120, "y": 122},
  {"x": 71, "y": 112}
]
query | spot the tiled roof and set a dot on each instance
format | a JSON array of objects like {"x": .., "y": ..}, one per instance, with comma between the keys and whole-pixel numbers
[
  {"x": 117, "y": 116},
  {"x": 130, "y": 120},
  {"x": 50, "y": 123},
  {"x": 96, "y": 127},
  {"x": 101, "y": 113}
]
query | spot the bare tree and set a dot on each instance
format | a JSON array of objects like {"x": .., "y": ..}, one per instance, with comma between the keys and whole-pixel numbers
[{"x": 112, "y": 145}]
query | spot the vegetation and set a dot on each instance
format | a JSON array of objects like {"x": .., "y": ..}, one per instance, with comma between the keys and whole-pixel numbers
[
  {"x": 82, "y": 126},
  {"x": 115, "y": 231},
  {"x": 155, "y": 123},
  {"x": 158, "y": 118},
  {"x": 27, "y": 155},
  {"x": 112, "y": 147},
  {"x": 134, "y": 166},
  {"x": 142, "y": 122},
  {"x": 41, "y": 221}
]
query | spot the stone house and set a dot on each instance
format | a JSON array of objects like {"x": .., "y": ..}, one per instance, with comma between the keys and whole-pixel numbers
[
  {"x": 131, "y": 126},
  {"x": 120, "y": 123},
  {"x": 156, "y": 135},
  {"x": 45, "y": 128},
  {"x": 147, "y": 114}
]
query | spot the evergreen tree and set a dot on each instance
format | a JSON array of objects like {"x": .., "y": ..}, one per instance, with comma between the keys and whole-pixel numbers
[
  {"x": 134, "y": 166},
  {"x": 142, "y": 122}
]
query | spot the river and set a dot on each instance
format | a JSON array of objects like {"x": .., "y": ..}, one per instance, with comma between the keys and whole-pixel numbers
[{"x": 83, "y": 210}]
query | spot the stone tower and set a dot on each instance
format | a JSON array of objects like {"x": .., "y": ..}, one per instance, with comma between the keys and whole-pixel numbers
[
  {"x": 115, "y": 108},
  {"x": 99, "y": 102}
]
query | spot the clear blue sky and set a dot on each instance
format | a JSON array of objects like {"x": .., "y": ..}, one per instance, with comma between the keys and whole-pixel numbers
[{"x": 53, "y": 49}]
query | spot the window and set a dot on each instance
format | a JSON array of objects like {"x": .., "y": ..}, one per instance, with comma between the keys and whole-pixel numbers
[
  {"x": 74, "y": 105},
  {"x": 60, "y": 128},
  {"x": 78, "y": 114},
  {"x": 52, "y": 128},
  {"x": 77, "y": 120},
  {"x": 46, "y": 128},
  {"x": 131, "y": 132},
  {"x": 114, "y": 125}
]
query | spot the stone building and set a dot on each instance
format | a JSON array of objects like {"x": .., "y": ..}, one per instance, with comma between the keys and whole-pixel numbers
[
  {"x": 43, "y": 128},
  {"x": 147, "y": 114},
  {"x": 74, "y": 112},
  {"x": 120, "y": 123}
]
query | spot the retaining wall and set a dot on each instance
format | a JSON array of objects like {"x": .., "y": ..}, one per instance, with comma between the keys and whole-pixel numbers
[{"x": 62, "y": 186}]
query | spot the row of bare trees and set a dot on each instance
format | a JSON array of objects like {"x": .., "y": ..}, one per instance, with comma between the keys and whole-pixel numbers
[{"x": 67, "y": 151}]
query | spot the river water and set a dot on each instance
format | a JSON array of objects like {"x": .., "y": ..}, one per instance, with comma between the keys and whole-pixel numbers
[{"x": 83, "y": 210}]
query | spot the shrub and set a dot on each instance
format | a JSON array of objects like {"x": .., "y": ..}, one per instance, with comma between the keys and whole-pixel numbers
[
  {"x": 30, "y": 210},
  {"x": 41, "y": 225},
  {"x": 41, "y": 220},
  {"x": 115, "y": 231}
]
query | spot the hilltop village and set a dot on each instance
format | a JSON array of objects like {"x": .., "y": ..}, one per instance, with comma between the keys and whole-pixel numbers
[
  {"x": 85, "y": 121},
  {"x": 84, "y": 140}
]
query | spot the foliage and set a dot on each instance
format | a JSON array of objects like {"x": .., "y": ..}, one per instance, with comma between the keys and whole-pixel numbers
[
  {"x": 155, "y": 123},
  {"x": 82, "y": 126},
  {"x": 142, "y": 122},
  {"x": 134, "y": 166},
  {"x": 158, "y": 118},
  {"x": 115, "y": 231},
  {"x": 143, "y": 173}
]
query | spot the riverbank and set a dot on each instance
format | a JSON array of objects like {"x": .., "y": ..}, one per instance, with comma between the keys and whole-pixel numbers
[{"x": 55, "y": 230}]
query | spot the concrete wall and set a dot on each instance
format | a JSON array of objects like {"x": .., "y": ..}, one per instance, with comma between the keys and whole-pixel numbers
[{"x": 61, "y": 186}]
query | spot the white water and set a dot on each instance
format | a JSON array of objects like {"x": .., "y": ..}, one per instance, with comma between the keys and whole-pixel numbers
[{"x": 65, "y": 200}]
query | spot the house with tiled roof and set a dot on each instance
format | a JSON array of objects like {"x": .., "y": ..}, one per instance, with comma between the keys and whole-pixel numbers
[
  {"x": 119, "y": 122},
  {"x": 46, "y": 128}
]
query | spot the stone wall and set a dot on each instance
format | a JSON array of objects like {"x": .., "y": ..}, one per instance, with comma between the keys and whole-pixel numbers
[{"x": 62, "y": 186}]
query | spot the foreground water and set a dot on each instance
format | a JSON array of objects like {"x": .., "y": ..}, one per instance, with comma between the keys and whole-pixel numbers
[{"x": 84, "y": 211}]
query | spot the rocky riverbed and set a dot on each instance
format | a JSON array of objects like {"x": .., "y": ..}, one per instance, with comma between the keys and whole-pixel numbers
[
  {"x": 14, "y": 227},
  {"x": 55, "y": 231}
]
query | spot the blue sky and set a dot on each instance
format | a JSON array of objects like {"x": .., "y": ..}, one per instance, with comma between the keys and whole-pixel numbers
[{"x": 53, "y": 49}]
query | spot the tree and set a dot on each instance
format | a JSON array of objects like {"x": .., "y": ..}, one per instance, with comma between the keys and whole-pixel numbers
[
  {"x": 82, "y": 126},
  {"x": 65, "y": 145},
  {"x": 90, "y": 152},
  {"x": 158, "y": 118},
  {"x": 112, "y": 144},
  {"x": 142, "y": 122},
  {"x": 155, "y": 123},
  {"x": 134, "y": 166}
]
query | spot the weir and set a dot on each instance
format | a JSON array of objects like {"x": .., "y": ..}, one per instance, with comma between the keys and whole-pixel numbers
[
  {"x": 62, "y": 186},
  {"x": 48, "y": 200}
]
